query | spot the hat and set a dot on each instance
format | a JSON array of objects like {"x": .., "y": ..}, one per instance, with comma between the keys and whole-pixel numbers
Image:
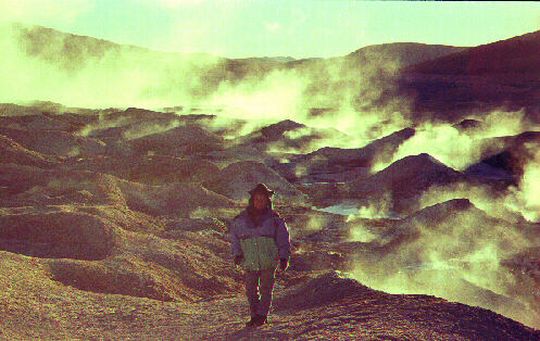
[{"x": 262, "y": 188}]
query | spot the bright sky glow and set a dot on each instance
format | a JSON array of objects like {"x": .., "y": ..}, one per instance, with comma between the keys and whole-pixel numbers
[{"x": 278, "y": 28}]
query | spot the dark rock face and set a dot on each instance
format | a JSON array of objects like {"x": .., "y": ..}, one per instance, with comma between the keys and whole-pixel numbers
[
  {"x": 468, "y": 125},
  {"x": 57, "y": 235},
  {"x": 333, "y": 165},
  {"x": 275, "y": 131},
  {"x": 404, "y": 180},
  {"x": 504, "y": 158},
  {"x": 13, "y": 152},
  {"x": 320, "y": 291}
]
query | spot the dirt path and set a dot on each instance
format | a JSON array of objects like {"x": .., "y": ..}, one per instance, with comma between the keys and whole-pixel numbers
[{"x": 329, "y": 308}]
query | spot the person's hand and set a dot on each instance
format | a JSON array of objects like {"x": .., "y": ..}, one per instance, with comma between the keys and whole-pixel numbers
[
  {"x": 238, "y": 259},
  {"x": 283, "y": 264}
]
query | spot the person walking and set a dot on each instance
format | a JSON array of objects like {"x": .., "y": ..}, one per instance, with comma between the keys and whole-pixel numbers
[{"x": 260, "y": 242}]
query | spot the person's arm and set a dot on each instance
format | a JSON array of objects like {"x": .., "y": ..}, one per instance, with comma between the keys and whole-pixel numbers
[
  {"x": 283, "y": 239},
  {"x": 236, "y": 250}
]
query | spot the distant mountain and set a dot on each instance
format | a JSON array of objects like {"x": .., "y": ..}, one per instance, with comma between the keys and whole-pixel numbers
[
  {"x": 404, "y": 54},
  {"x": 518, "y": 55},
  {"x": 392, "y": 54},
  {"x": 278, "y": 59},
  {"x": 107, "y": 73},
  {"x": 439, "y": 80},
  {"x": 503, "y": 74},
  {"x": 50, "y": 44},
  {"x": 366, "y": 76},
  {"x": 95, "y": 64}
]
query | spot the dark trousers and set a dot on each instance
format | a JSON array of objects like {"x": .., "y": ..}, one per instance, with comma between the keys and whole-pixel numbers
[{"x": 259, "y": 287}]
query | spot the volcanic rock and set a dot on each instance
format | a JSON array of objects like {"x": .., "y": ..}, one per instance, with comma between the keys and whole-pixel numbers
[{"x": 237, "y": 179}]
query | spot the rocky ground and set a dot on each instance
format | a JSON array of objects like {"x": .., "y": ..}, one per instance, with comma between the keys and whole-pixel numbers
[
  {"x": 123, "y": 236},
  {"x": 320, "y": 306}
]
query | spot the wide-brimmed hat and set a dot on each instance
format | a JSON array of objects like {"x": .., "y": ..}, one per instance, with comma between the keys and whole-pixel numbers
[{"x": 262, "y": 188}]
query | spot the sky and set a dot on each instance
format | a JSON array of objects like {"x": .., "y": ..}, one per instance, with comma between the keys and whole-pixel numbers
[{"x": 249, "y": 28}]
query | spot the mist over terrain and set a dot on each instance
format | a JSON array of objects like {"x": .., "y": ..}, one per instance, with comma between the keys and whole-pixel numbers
[{"x": 406, "y": 172}]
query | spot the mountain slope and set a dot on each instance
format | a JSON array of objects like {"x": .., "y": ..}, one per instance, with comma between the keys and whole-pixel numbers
[
  {"x": 503, "y": 74},
  {"x": 517, "y": 55}
]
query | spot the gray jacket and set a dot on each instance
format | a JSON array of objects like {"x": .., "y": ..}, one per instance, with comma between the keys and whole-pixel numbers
[{"x": 272, "y": 225}]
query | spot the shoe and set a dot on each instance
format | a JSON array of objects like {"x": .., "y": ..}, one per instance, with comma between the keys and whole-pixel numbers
[
  {"x": 251, "y": 322},
  {"x": 260, "y": 320}
]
